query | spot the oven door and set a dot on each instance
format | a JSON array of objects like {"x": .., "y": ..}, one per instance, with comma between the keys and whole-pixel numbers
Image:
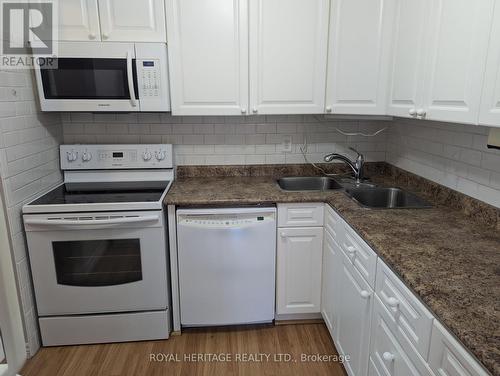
[
  {"x": 86, "y": 263},
  {"x": 90, "y": 77}
]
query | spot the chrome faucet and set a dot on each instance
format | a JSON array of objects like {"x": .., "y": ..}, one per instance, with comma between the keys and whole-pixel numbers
[{"x": 356, "y": 166}]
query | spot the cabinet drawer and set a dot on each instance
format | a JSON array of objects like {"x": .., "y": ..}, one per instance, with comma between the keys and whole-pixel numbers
[
  {"x": 410, "y": 320},
  {"x": 360, "y": 254},
  {"x": 449, "y": 358},
  {"x": 334, "y": 224},
  {"x": 300, "y": 215},
  {"x": 387, "y": 356}
]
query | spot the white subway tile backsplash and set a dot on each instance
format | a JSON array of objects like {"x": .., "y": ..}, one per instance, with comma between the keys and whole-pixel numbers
[
  {"x": 454, "y": 155},
  {"x": 160, "y": 128},
  {"x": 203, "y": 128},
  {"x": 234, "y": 139},
  {"x": 193, "y": 139},
  {"x": 29, "y": 165},
  {"x": 491, "y": 162},
  {"x": 182, "y": 128}
]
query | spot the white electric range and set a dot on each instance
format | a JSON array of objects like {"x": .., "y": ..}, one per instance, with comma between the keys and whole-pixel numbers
[{"x": 98, "y": 246}]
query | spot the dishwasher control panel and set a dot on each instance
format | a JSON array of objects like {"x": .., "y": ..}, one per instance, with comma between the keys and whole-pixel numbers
[{"x": 225, "y": 221}]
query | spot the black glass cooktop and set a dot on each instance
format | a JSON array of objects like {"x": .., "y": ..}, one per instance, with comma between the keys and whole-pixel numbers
[{"x": 108, "y": 192}]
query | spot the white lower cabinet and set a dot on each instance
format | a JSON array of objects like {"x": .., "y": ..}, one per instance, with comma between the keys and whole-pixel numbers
[
  {"x": 410, "y": 321},
  {"x": 449, "y": 358},
  {"x": 329, "y": 292},
  {"x": 387, "y": 356},
  {"x": 298, "y": 282},
  {"x": 355, "y": 301},
  {"x": 386, "y": 332}
]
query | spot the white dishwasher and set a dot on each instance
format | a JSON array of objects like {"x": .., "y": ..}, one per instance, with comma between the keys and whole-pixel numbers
[{"x": 227, "y": 263}]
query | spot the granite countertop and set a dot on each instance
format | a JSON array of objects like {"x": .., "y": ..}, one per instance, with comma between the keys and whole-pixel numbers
[{"x": 450, "y": 260}]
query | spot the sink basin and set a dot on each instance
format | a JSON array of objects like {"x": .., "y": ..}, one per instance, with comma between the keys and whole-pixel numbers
[
  {"x": 379, "y": 197},
  {"x": 308, "y": 183}
]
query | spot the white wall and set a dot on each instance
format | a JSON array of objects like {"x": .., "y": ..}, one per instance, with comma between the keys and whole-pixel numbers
[
  {"x": 226, "y": 140},
  {"x": 454, "y": 155},
  {"x": 12, "y": 343},
  {"x": 29, "y": 165}
]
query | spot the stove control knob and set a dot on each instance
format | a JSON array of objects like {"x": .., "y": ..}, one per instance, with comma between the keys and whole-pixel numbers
[
  {"x": 160, "y": 155},
  {"x": 86, "y": 156},
  {"x": 72, "y": 156},
  {"x": 146, "y": 155}
]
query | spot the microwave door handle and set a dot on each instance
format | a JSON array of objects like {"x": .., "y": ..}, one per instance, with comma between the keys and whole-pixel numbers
[
  {"x": 130, "y": 79},
  {"x": 92, "y": 222}
]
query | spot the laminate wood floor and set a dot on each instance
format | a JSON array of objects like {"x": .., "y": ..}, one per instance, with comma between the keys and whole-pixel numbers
[{"x": 173, "y": 355}]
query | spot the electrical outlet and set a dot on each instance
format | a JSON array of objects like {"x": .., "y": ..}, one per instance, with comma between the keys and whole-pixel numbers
[{"x": 286, "y": 144}]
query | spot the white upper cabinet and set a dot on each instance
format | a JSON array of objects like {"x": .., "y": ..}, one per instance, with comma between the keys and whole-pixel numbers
[
  {"x": 407, "y": 63},
  {"x": 112, "y": 20},
  {"x": 79, "y": 20},
  {"x": 208, "y": 56},
  {"x": 288, "y": 51},
  {"x": 358, "y": 56},
  {"x": 132, "y": 20},
  {"x": 457, "y": 49},
  {"x": 490, "y": 100}
]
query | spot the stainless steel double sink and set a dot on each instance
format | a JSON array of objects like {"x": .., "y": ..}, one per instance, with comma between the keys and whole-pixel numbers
[{"x": 365, "y": 194}]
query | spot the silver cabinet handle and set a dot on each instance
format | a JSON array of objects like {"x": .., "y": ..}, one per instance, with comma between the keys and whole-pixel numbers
[
  {"x": 421, "y": 113},
  {"x": 392, "y": 301},
  {"x": 388, "y": 357},
  {"x": 365, "y": 294}
]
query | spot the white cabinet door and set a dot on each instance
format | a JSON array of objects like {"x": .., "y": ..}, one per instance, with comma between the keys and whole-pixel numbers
[
  {"x": 208, "y": 56},
  {"x": 79, "y": 20},
  {"x": 288, "y": 48},
  {"x": 387, "y": 355},
  {"x": 459, "y": 31},
  {"x": 299, "y": 270},
  {"x": 448, "y": 357},
  {"x": 329, "y": 286},
  {"x": 407, "y": 60},
  {"x": 132, "y": 20},
  {"x": 354, "y": 317},
  {"x": 490, "y": 100},
  {"x": 358, "y": 56}
]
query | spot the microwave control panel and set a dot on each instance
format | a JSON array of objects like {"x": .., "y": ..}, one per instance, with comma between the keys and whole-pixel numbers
[
  {"x": 151, "y": 66},
  {"x": 150, "y": 74}
]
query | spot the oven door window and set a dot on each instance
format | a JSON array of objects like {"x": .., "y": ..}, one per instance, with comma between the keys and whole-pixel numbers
[
  {"x": 97, "y": 262},
  {"x": 80, "y": 78}
]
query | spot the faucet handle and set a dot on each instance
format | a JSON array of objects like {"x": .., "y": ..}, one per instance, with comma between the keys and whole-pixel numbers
[
  {"x": 354, "y": 150},
  {"x": 360, "y": 159}
]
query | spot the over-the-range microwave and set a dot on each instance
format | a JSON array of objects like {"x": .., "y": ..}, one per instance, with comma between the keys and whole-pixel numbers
[{"x": 97, "y": 76}]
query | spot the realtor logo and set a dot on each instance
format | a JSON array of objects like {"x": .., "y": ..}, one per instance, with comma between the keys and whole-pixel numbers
[{"x": 28, "y": 32}]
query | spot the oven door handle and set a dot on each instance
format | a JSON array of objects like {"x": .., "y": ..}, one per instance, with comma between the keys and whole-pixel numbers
[
  {"x": 130, "y": 79},
  {"x": 91, "y": 222}
]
